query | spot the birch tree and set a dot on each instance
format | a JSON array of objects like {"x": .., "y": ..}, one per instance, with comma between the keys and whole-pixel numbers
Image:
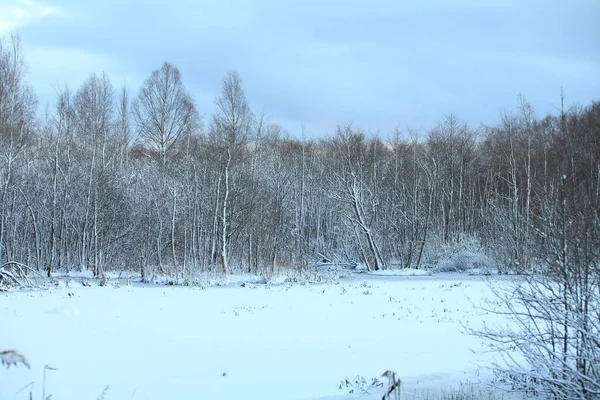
[
  {"x": 230, "y": 128},
  {"x": 163, "y": 111},
  {"x": 94, "y": 115},
  {"x": 17, "y": 117},
  {"x": 355, "y": 193}
]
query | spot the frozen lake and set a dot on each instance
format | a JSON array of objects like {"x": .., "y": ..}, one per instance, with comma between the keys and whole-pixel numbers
[{"x": 254, "y": 342}]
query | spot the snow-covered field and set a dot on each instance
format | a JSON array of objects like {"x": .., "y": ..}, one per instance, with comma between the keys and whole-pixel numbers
[{"x": 254, "y": 342}]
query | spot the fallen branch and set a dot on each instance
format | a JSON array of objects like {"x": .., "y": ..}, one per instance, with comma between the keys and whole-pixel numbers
[
  {"x": 7, "y": 274},
  {"x": 18, "y": 276},
  {"x": 21, "y": 265}
]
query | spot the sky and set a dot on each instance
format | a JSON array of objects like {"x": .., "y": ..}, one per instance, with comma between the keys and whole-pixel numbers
[{"x": 379, "y": 65}]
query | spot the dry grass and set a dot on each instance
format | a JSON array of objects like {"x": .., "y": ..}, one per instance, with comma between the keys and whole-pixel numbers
[
  {"x": 466, "y": 391},
  {"x": 11, "y": 357}
]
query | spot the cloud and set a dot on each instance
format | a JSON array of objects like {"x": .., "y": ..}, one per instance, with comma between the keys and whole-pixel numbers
[
  {"x": 379, "y": 64},
  {"x": 54, "y": 67},
  {"x": 18, "y": 13}
]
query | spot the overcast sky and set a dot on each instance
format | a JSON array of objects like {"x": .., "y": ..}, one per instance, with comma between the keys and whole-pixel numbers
[{"x": 379, "y": 64}]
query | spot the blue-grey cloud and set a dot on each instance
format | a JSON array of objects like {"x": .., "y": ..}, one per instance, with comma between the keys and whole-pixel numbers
[{"x": 378, "y": 64}]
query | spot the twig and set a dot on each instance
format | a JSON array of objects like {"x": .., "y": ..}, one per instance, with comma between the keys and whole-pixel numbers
[{"x": 46, "y": 367}]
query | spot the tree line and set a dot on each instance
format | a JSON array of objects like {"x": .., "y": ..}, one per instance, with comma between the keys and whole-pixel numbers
[{"x": 111, "y": 181}]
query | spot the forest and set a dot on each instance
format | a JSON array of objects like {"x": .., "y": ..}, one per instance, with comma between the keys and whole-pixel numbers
[
  {"x": 110, "y": 179},
  {"x": 142, "y": 182}
]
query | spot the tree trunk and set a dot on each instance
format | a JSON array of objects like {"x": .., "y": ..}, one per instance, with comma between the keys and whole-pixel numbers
[{"x": 225, "y": 221}]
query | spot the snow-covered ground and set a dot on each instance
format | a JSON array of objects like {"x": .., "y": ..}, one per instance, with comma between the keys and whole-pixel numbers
[
  {"x": 253, "y": 342},
  {"x": 400, "y": 272}
]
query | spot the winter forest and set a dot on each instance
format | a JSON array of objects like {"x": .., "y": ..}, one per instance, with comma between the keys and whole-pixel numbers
[
  {"x": 109, "y": 180},
  {"x": 141, "y": 182}
]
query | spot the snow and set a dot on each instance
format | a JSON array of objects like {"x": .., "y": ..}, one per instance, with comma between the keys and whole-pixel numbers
[
  {"x": 401, "y": 272},
  {"x": 233, "y": 342},
  {"x": 89, "y": 274}
]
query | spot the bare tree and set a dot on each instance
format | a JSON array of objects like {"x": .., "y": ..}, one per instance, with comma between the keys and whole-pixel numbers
[
  {"x": 123, "y": 130},
  {"x": 553, "y": 345},
  {"x": 17, "y": 117},
  {"x": 230, "y": 128},
  {"x": 94, "y": 116},
  {"x": 451, "y": 147},
  {"x": 163, "y": 110},
  {"x": 358, "y": 191}
]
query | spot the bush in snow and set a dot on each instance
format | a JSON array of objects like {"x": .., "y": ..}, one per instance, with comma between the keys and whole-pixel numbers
[
  {"x": 463, "y": 254},
  {"x": 463, "y": 261},
  {"x": 466, "y": 391},
  {"x": 552, "y": 346}
]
